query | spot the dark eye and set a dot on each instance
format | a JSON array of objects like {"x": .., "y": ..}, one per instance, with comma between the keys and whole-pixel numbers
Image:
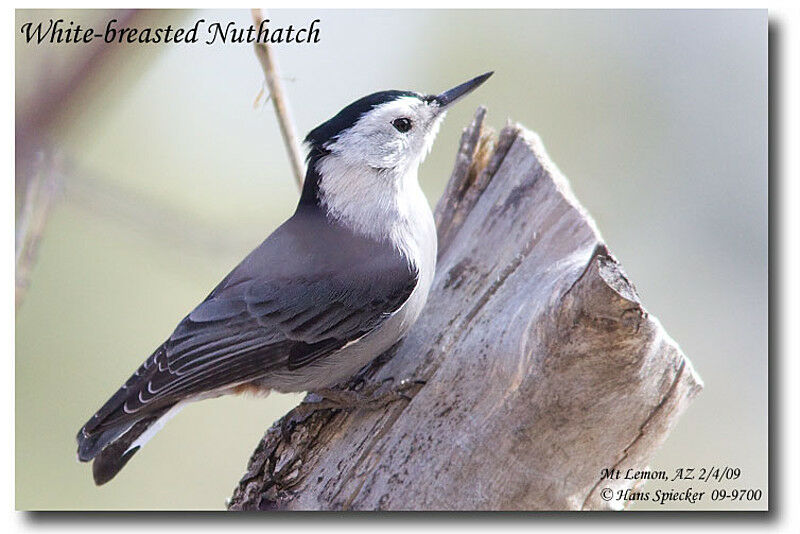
[{"x": 402, "y": 124}]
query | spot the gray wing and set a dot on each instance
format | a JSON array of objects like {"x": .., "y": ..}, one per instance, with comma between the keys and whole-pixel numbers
[{"x": 309, "y": 289}]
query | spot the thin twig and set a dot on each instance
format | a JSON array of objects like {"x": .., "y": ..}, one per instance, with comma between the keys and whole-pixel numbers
[
  {"x": 38, "y": 172},
  {"x": 40, "y": 191},
  {"x": 268, "y": 64}
]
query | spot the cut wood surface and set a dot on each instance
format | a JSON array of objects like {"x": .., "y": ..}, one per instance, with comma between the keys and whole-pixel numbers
[{"x": 541, "y": 365}]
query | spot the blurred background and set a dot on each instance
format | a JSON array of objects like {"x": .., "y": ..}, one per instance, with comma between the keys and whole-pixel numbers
[{"x": 159, "y": 171}]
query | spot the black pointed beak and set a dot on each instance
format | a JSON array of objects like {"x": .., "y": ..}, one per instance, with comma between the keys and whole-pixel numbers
[{"x": 451, "y": 96}]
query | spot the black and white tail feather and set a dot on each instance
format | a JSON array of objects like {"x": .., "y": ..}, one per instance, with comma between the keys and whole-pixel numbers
[{"x": 111, "y": 449}]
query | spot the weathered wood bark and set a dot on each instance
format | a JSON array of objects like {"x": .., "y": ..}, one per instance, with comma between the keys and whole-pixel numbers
[{"x": 542, "y": 368}]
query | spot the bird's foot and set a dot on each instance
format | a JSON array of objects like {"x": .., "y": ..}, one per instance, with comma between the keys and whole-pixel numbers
[{"x": 372, "y": 396}]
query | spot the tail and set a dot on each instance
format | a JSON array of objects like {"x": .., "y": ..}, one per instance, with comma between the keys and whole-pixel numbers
[
  {"x": 111, "y": 449},
  {"x": 111, "y": 446}
]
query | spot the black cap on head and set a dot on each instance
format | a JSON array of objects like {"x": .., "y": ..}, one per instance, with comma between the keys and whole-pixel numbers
[
  {"x": 346, "y": 118},
  {"x": 330, "y": 129}
]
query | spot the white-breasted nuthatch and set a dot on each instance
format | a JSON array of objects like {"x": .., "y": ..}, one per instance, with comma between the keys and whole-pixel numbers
[{"x": 332, "y": 288}]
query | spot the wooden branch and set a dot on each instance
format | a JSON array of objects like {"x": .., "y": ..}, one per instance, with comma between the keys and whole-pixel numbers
[
  {"x": 542, "y": 367},
  {"x": 280, "y": 103}
]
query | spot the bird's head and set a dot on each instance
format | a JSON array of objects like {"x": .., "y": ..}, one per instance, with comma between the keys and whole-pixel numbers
[{"x": 378, "y": 141}]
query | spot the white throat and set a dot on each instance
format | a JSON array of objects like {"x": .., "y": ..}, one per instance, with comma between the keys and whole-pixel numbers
[{"x": 380, "y": 204}]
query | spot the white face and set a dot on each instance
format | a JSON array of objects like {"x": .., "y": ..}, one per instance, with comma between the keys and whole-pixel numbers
[
  {"x": 367, "y": 175},
  {"x": 393, "y": 137},
  {"x": 368, "y": 181}
]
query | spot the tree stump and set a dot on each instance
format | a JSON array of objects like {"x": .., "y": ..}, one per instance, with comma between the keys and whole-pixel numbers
[{"x": 541, "y": 366}]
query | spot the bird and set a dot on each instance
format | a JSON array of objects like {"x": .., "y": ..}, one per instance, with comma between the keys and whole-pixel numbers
[{"x": 333, "y": 287}]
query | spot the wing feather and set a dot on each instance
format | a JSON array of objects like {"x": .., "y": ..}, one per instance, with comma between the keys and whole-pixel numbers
[{"x": 303, "y": 294}]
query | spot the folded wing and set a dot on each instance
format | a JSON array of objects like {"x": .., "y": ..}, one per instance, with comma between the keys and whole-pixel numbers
[{"x": 290, "y": 302}]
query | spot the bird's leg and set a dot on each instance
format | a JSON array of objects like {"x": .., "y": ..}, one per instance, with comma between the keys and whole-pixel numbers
[{"x": 372, "y": 396}]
